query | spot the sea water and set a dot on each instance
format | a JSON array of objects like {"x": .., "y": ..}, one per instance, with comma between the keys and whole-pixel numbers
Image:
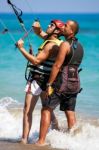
[{"x": 12, "y": 83}]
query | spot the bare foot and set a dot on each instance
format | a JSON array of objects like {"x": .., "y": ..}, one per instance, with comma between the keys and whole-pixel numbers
[
  {"x": 40, "y": 143},
  {"x": 23, "y": 141}
]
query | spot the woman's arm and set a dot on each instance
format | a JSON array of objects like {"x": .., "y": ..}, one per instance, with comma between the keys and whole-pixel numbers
[{"x": 38, "y": 30}]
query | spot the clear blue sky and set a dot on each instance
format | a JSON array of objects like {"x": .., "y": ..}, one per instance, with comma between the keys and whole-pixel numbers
[{"x": 56, "y": 6}]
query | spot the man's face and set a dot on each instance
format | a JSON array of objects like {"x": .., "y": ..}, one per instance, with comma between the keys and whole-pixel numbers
[
  {"x": 50, "y": 28},
  {"x": 67, "y": 30}
]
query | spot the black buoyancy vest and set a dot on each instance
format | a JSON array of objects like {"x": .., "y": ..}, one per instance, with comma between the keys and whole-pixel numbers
[
  {"x": 77, "y": 54},
  {"x": 67, "y": 81}
]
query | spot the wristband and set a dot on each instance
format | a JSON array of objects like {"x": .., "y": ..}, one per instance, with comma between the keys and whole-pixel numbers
[{"x": 48, "y": 84}]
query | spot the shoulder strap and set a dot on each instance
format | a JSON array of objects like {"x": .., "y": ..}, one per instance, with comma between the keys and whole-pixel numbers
[{"x": 58, "y": 42}]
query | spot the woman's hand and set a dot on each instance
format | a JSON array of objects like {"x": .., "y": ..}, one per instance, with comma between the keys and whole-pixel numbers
[
  {"x": 20, "y": 44},
  {"x": 36, "y": 27}
]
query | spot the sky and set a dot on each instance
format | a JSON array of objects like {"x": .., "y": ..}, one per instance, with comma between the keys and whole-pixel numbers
[{"x": 53, "y": 6}]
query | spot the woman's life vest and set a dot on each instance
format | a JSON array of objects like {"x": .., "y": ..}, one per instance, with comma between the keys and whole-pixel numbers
[
  {"x": 41, "y": 72},
  {"x": 68, "y": 81}
]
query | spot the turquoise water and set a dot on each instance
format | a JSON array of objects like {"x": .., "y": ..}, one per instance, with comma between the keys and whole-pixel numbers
[
  {"x": 12, "y": 63},
  {"x": 12, "y": 82}
]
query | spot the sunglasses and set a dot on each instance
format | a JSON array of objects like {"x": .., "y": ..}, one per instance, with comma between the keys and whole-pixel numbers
[{"x": 52, "y": 24}]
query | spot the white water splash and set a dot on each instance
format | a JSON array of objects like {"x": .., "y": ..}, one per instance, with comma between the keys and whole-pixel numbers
[
  {"x": 7, "y": 101},
  {"x": 11, "y": 120},
  {"x": 85, "y": 136}
]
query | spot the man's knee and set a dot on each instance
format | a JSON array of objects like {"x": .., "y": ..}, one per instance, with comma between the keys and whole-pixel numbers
[
  {"x": 46, "y": 112},
  {"x": 46, "y": 109},
  {"x": 71, "y": 117}
]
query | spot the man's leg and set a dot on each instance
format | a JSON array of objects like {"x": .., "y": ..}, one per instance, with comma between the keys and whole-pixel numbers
[
  {"x": 68, "y": 103},
  {"x": 49, "y": 105},
  {"x": 71, "y": 119},
  {"x": 30, "y": 102},
  {"x": 54, "y": 122},
  {"x": 44, "y": 125}
]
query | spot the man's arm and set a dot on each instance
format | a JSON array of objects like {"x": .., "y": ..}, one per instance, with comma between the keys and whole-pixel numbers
[
  {"x": 42, "y": 56},
  {"x": 38, "y": 30},
  {"x": 63, "y": 51}
]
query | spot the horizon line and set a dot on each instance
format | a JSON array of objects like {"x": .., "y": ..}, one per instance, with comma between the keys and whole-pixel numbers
[{"x": 53, "y": 12}]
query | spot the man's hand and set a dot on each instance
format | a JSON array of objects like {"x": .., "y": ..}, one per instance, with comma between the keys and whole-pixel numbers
[
  {"x": 49, "y": 91},
  {"x": 20, "y": 44}
]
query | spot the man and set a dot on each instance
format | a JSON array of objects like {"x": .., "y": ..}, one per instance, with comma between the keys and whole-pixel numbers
[
  {"x": 64, "y": 84},
  {"x": 39, "y": 71}
]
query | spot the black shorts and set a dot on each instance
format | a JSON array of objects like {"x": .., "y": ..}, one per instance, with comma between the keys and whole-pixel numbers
[{"x": 67, "y": 102}]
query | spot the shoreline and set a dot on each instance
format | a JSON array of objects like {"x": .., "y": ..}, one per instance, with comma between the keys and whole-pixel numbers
[{"x": 9, "y": 145}]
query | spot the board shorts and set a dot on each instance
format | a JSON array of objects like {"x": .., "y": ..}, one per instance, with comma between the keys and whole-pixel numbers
[
  {"x": 33, "y": 87},
  {"x": 66, "y": 102}
]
